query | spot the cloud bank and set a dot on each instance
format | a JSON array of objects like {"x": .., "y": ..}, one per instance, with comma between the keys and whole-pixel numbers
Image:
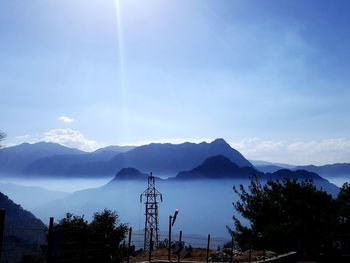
[
  {"x": 71, "y": 138},
  {"x": 298, "y": 152}
]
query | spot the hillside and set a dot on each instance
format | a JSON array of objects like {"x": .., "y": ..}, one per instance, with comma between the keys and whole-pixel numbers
[
  {"x": 129, "y": 174},
  {"x": 61, "y": 165},
  {"x": 14, "y": 159},
  {"x": 218, "y": 167},
  {"x": 163, "y": 159},
  {"x": 23, "y": 231},
  {"x": 329, "y": 170}
]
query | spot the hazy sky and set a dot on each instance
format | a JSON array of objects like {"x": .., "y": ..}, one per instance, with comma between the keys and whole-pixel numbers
[{"x": 270, "y": 77}]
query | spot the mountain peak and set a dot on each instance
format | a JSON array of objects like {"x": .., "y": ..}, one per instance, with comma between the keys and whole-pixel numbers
[
  {"x": 219, "y": 141},
  {"x": 129, "y": 173},
  {"x": 216, "y": 167}
]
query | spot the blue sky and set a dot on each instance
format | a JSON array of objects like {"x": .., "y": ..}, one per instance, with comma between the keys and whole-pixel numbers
[{"x": 271, "y": 77}]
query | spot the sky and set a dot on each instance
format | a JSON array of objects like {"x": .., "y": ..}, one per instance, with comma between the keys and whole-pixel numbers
[{"x": 270, "y": 77}]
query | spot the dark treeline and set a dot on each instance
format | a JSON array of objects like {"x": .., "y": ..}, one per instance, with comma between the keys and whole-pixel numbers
[
  {"x": 293, "y": 216},
  {"x": 97, "y": 241},
  {"x": 73, "y": 239}
]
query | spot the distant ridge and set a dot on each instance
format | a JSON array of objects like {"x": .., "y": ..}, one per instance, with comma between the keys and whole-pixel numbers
[
  {"x": 129, "y": 174},
  {"x": 218, "y": 167},
  {"x": 329, "y": 170},
  {"x": 14, "y": 159},
  {"x": 164, "y": 159},
  {"x": 171, "y": 158}
]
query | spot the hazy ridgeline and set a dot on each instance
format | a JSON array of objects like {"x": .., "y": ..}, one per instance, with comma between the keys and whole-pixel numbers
[{"x": 205, "y": 206}]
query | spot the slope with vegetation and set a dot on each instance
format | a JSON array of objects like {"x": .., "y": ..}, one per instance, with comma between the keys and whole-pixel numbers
[
  {"x": 293, "y": 216},
  {"x": 23, "y": 232}
]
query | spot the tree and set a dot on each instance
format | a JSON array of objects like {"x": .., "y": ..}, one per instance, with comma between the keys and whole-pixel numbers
[
  {"x": 107, "y": 232},
  {"x": 285, "y": 216},
  {"x": 97, "y": 241},
  {"x": 71, "y": 237},
  {"x": 343, "y": 216}
]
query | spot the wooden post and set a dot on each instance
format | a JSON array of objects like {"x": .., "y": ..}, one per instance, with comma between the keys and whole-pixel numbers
[
  {"x": 169, "y": 245},
  {"x": 50, "y": 241},
  {"x": 208, "y": 247},
  {"x": 180, "y": 240},
  {"x": 264, "y": 254},
  {"x": 129, "y": 244},
  {"x": 2, "y": 227},
  {"x": 150, "y": 246},
  {"x": 250, "y": 253}
]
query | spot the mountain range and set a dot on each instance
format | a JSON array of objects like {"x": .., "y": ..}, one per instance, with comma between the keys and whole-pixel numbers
[
  {"x": 164, "y": 159},
  {"x": 14, "y": 159},
  {"x": 220, "y": 167},
  {"x": 329, "y": 170}
]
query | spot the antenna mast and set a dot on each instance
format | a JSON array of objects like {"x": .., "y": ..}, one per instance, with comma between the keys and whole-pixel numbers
[{"x": 151, "y": 196}]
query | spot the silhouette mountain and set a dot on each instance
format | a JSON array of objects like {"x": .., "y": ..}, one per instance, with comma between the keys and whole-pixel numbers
[
  {"x": 61, "y": 165},
  {"x": 129, "y": 174},
  {"x": 108, "y": 152},
  {"x": 269, "y": 168},
  {"x": 164, "y": 159},
  {"x": 168, "y": 159},
  {"x": 329, "y": 170},
  {"x": 14, "y": 159},
  {"x": 23, "y": 232},
  {"x": 218, "y": 167},
  {"x": 259, "y": 163}
]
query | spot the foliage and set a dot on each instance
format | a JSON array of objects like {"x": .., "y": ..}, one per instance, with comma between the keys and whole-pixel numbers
[
  {"x": 343, "y": 216},
  {"x": 97, "y": 241},
  {"x": 285, "y": 215}
]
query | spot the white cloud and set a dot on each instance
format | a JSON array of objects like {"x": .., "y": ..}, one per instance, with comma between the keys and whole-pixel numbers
[
  {"x": 65, "y": 119},
  {"x": 71, "y": 138},
  {"x": 297, "y": 152},
  {"x": 25, "y": 136}
]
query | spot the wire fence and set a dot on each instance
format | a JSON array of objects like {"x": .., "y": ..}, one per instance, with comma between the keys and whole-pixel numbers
[
  {"x": 55, "y": 244},
  {"x": 21, "y": 242},
  {"x": 180, "y": 247}
]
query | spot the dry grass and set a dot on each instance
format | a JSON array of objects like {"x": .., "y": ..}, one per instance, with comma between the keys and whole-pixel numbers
[
  {"x": 197, "y": 254},
  {"x": 200, "y": 254}
]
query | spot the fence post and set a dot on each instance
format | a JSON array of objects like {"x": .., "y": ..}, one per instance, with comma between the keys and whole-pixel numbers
[
  {"x": 208, "y": 246},
  {"x": 150, "y": 246},
  {"x": 129, "y": 244},
  {"x": 264, "y": 255},
  {"x": 180, "y": 240},
  {"x": 250, "y": 253},
  {"x": 231, "y": 256},
  {"x": 2, "y": 226},
  {"x": 50, "y": 241},
  {"x": 169, "y": 246}
]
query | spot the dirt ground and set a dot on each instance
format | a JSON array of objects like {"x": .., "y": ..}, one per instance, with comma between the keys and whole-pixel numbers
[{"x": 200, "y": 254}]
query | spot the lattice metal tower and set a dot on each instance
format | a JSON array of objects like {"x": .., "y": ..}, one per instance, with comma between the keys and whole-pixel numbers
[{"x": 151, "y": 197}]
